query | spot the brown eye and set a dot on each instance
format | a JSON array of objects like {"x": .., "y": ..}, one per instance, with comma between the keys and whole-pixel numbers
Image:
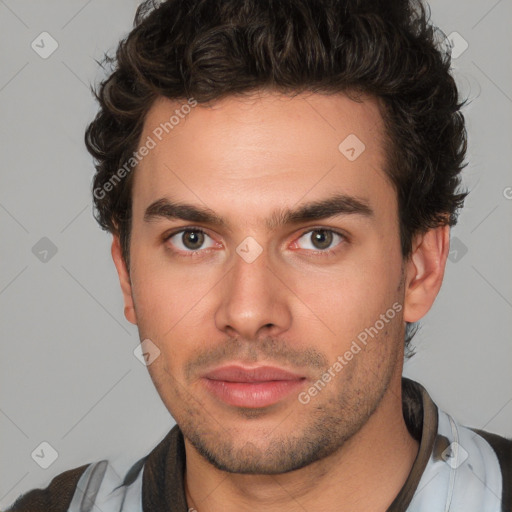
[
  {"x": 190, "y": 240},
  {"x": 320, "y": 239}
]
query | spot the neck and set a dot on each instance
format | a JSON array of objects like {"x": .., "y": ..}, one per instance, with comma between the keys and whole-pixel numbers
[{"x": 366, "y": 473}]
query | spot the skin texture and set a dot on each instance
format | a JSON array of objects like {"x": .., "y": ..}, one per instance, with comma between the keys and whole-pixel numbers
[{"x": 295, "y": 306}]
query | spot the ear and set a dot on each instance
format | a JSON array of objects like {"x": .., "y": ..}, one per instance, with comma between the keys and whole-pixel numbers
[
  {"x": 124, "y": 280},
  {"x": 425, "y": 272}
]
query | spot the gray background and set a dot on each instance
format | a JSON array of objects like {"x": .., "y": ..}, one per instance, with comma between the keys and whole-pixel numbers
[{"x": 68, "y": 373}]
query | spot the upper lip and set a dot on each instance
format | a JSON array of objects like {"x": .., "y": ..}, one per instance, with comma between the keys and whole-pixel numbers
[{"x": 234, "y": 373}]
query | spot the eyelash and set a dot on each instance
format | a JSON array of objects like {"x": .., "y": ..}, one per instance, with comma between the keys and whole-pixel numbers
[
  {"x": 327, "y": 252},
  {"x": 188, "y": 254},
  {"x": 201, "y": 252}
]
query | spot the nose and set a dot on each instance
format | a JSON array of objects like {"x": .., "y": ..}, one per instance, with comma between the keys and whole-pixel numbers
[{"x": 254, "y": 300}]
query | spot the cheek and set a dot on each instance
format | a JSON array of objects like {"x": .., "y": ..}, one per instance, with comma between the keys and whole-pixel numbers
[
  {"x": 165, "y": 293},
  {"x": 352, "y": 295},
  {"x": 173, "y": 308}
]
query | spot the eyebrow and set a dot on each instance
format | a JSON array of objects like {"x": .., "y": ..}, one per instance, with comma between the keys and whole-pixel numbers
[{"x": 334, "y": 206}]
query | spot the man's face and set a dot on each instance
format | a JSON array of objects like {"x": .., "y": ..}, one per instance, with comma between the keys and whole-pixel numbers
[{"x": 209, "y": 299}]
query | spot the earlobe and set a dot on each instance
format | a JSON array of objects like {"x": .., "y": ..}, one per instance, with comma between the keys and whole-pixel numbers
[
  {"x": 124, "y": 280},
  {"x": 425, "y": 272}
]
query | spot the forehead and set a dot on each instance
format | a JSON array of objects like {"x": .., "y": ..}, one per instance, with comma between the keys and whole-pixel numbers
[{"x": 242, "y": 154}]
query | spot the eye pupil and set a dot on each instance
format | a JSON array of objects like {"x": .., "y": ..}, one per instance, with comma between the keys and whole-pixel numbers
[
  {"x": 322, "y": 238},
  {"x": 192, "y": 239}
]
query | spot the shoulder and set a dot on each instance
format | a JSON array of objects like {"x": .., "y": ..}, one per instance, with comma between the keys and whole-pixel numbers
[
  {"x": 502, "y": 447},
  {"x": 55, "y": 497},
  {"x": 476, "y": 466},
  {"x": 467, "y": 468},
  {"x": 113, "y": 485},
  {"x": 77, "y": 490}
]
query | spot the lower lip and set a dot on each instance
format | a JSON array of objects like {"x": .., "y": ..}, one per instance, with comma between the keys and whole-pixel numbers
[{"x": 252, "y": 394}]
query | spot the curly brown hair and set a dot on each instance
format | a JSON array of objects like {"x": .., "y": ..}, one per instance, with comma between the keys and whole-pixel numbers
[{"x": 210, "y": 49}]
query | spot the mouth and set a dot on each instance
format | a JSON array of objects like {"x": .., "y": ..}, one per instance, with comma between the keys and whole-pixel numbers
[{"x": 251, "y": 387}]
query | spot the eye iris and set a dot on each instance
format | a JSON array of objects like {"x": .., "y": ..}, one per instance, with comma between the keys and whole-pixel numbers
[
  {"x": 192, "y": 239},
  {"x": 322, "y": 238}
]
